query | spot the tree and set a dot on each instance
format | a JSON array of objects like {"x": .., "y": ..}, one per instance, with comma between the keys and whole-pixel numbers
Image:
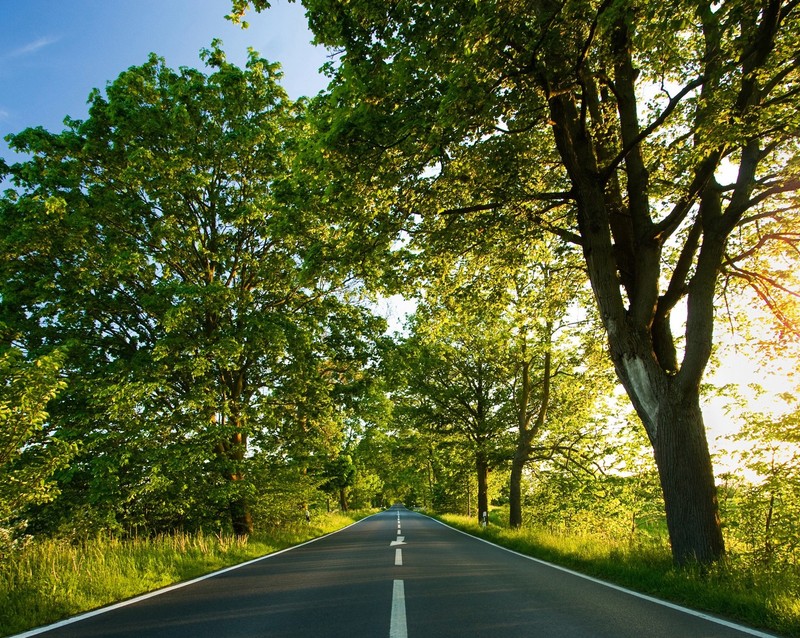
[
  {"x": 339, "y": 473},
  {"x": 657, "y": 137},
  {"x": 170, "y": 243},
  {"x": 764, "y": 511},
  {"x": 561, "y": 386},
  {"x": 455, "y": 384},
  {"x": 400, "y": 456},
  {"x": 527, "y": 302}
]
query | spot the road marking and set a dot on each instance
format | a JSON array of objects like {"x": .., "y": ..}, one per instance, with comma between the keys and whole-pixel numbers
[
  {"x": 397, "y": 627},
  {"x": 398, "y": 557},
  {"x": 400, "y": 541}
]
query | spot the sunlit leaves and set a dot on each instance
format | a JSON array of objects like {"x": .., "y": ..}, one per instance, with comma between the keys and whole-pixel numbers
[
  {"x": 762, "y": 507},
  {"x": 29, "y": 455}
]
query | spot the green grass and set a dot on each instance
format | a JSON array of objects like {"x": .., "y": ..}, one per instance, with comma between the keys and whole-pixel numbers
[
  {"x": 759, "y": 595},
  {"x": 52, "y": 580}
]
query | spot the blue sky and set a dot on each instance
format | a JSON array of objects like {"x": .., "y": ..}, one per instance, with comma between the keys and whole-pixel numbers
[{"x": 54, "y": 52}]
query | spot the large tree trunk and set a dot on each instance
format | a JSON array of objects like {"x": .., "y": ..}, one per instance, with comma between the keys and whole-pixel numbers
[
  {"x": 521, "y": 454},
  {"x": 687, "y": 481},
  {"x": 241, "y": 517},
  {"x": 666, "y": 398}
]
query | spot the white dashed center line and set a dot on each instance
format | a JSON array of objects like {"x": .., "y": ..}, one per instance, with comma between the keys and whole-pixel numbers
[{"x": 397, "y": 627}]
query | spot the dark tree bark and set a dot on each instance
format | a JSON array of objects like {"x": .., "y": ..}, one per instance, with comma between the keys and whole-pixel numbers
[
  {"x": 232, "y": 451},
  {"x": 515, "y": 488},
  {"x": 482, "y": 468},
  {"x": 241, "y": 518},
  {"x": 687, "y": 480}
]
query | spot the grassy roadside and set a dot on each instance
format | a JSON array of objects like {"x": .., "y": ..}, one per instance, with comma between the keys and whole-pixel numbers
[
  {"x": 52, "y": 580},
  {"x": 767, "y": 597}
]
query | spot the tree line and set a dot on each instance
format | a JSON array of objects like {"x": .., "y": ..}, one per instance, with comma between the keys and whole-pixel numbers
[{"x": 569, "y": 190}]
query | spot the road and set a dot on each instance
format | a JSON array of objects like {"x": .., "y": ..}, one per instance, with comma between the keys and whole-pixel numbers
[{"x": 397, "y": 574}]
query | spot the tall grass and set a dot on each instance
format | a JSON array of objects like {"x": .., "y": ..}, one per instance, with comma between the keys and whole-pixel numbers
[
  {"x": 50, "y": 580},
  {"x": 765, "y": 595}
]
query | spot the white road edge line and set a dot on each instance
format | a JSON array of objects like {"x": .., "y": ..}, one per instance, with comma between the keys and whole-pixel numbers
[
  {"x": 169, "y": 588},
  {"x": 398, "y": 557},
  {"x": 657, "y": 601},
  {"x": 397, "y": 627}
]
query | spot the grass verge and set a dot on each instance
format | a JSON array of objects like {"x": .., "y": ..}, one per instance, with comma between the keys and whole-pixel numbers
[
  {"x": 52, "y": 580},
  {"x": 759, "y": 595}
]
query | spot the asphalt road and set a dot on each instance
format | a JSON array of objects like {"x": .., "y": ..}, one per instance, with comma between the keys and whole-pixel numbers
[{"x": 397, "y": 574}]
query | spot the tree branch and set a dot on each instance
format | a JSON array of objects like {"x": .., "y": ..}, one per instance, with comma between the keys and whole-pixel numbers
[{"x": 648, "y": 130}]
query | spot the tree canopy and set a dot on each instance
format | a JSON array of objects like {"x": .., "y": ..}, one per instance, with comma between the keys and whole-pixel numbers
[{"x": 188, "y": 335}]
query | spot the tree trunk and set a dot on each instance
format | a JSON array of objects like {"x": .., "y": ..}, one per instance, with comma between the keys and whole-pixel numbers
[
  {"x": 482, "y": 466},
  {"x": 515, "y": 495},
  {"x": 523, "y": 443},
  {"x": 687, "y": 481},
  {"x": 666, "y": 400},
  {"x": 526, "y": 430},
  {"x": 241, "y": 519},
  {"x": 342, "y": 499},
  {"x": 469, "y": 497},
  {"x": 233, "y": 451}
]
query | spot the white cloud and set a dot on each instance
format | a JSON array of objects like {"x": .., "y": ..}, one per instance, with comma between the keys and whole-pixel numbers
[{"x": 31, "y": 47}]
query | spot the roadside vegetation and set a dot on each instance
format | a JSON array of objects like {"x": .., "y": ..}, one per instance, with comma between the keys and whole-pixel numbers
[
  {"x": 757, "y": 593},
  {"x": 50, "y": 580}
]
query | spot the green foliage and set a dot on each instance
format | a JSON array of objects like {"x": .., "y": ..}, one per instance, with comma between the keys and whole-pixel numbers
[
  {"x": 401, "y": 458},
  {"x": 455, "y": 386},
  {"x": 29, "y": 454},
  {"x": 240, "y": 7},
  {"x": 615, "y": 507},
  {"x": 501, "y": 356},
  {"x": 338, "y": 474},
  {"x": 762, "y": 505},
  {"x": 657, "y": 137}
]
